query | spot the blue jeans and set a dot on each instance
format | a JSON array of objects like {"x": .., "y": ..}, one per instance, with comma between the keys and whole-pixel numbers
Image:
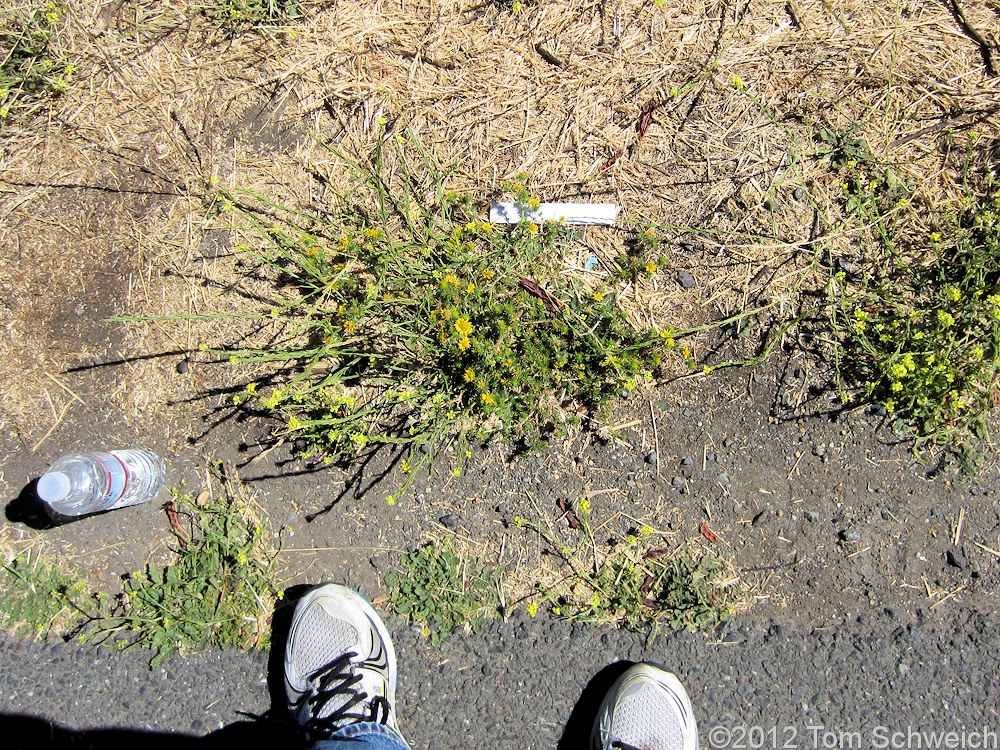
[{"x": 363, "y": 736}]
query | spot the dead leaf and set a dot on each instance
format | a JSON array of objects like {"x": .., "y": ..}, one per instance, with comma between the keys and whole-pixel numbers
[
  {"x": 175, "y": 524},
  {"x": 707, "y": 532},
  {"x": 571, "y": 519},
  {"x": 532, "y": 287},
  {"x": 652, "y": 554},
  {"x": 645, "y": 119}
]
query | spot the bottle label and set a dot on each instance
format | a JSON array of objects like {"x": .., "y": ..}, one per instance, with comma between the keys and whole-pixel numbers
[{"x": 117, "y": 476}]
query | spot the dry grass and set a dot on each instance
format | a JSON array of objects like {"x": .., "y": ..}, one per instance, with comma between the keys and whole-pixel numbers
[{"x": 103, "y": 198}]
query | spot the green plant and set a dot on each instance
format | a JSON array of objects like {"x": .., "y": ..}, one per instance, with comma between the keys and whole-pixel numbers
[
  {"x": 236, "y": 14},
  {"x": 443, "y": 590},
  {"x": 31, "y": 65},
  {"x": 632, "y": 583},
  {"x": 38, "y": 598},
  {"x": 844, "y": 147},
  {"x": 219, "y": 590},
  {"x": 408, "y": 320},
  {"x": 919, "y": 328},
  {"x": 642, "y": 257}
]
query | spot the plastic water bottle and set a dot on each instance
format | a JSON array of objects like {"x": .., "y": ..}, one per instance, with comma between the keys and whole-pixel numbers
[{"x": 82, "y": 483}]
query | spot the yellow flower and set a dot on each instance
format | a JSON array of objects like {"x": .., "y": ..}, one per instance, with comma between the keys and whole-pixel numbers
[
  {"x": 651, "y": 266},
  {"x": 470, "y": 288},
  {"x": 464, "y": 344},
  {"x": 945, "y": 318},
  {"x": 390, "y": 499},
  {"x": 470, "y": 375},
  {"x": 488, "y": 274},
  {"x": 488, "y": 399},
  {"x": 584, "y": 505},
  {"x": 350, "y": 326},
  {"x": 890, "y": 405},
  {"x": 598, "y": 297},
  {"x": 345, "y": 242},
  {"x": 463, "y": 326},
  {"x": 294, "y": 423},
  {"x": 534, "y": 203},
  {"x": 738, "y": 84},
  {"x": 953, "y": 293},
  {"x": 451, "y": 278},
  {"x": 533, "y": 228},
  {"x": 532, "y": 609}
]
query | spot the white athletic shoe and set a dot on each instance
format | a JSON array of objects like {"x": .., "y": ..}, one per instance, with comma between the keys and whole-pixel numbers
[
  {"x": 340, "y": 666},
  {"x": 646, "y": 709}
]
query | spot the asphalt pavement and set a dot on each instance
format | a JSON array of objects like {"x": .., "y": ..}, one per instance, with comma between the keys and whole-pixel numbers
[{"x": 873, "y": 682}]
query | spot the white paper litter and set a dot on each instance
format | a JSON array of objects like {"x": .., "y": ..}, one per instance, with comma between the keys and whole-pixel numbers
[{"x": 603, "y": 214}]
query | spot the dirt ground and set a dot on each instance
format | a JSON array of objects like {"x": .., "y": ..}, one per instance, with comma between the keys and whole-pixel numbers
[{"x": 106, "y": 209}]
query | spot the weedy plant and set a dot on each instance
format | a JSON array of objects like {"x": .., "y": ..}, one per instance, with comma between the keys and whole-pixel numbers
[
  {"x": 409, "y": 320},
  {"x": 219, "y": 590},
  {"x": 919, "y": 324},
  {"x": 239, "y": 14},
  {"x": 31, "y": 65},
  {"x": 632, "y": 583},
  {"x": 443, "y": 591},
  {"x": 38, "y": 598}
]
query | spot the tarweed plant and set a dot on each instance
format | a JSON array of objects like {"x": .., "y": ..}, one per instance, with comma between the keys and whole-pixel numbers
[
  {"x": 919, "y": 329},
  {"x": 32, "y": 67},
  {"x": 219, "y": 590},
  {"x": 410, "y": 320},
  {"x": 442, "y": 590},
  {"x": 638, "y": 581}
]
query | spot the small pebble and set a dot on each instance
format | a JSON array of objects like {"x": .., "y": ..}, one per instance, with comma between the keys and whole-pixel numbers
[
  {"x": 448, "y": 521},
  {"x": 957, "y": 559},
  {"x": 685, "y": 279},
  {"x": 183, "y": 367},
  {"x": 850, "y": 535},
  {"x": 761, "y": 518},
  {"x": 798, "y": 194},
  {"x": 723, "y": 478},
  {"x": 650, "y": 458},
  {"x": 687, "y": 461},
  {"x": 678, "y": 482},
  {"x": 811, "y": 516}
]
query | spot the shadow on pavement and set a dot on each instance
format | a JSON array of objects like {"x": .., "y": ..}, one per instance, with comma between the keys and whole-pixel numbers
[
  {"x": 27, "y": 733},
  {"x": 580, "y": 724},
  {"x": 28, "y": 509}
]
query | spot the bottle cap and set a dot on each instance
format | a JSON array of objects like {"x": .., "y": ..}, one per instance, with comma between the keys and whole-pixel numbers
[{"x": 53, "y": 487}]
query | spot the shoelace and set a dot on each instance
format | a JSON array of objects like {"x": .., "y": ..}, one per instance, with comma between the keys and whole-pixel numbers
[
  {"x": 619, "y": 745},
  {"x": 338, "y": 678}
]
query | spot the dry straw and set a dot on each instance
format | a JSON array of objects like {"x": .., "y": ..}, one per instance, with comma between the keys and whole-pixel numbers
[{"x": 104, "y": 194}]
